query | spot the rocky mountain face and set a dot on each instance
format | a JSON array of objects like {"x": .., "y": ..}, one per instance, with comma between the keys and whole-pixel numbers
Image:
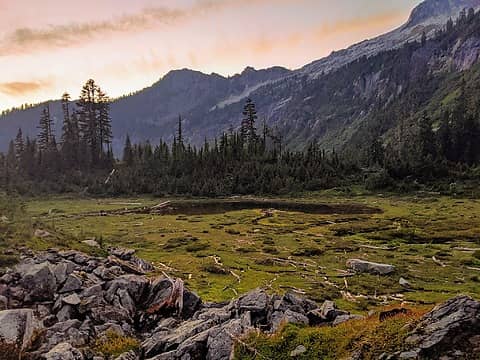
[
  {"x": 297, "y": 102},
  {"x": 61, "y": 305}
]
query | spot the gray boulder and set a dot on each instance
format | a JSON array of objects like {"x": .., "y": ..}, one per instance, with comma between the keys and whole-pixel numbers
[
  {"x": 135, "y": 286},
  {"x": 295, "y": 303},
  {"x": 254, "y": 301},
  {"x": 18, "y": 327},
  {"x": 330, "y": 312},
  {"x": 363, "y": 266},
  {"x": 288, "y": 317},
  {"x": 64, "y": 351},
  {"x": 169, "y": 339},
  {"x": 221, "y": 339},
  {"x": 72, "y": 299},
  {"x": 131, "y": 355},
  {"x": 69, "y": 331},
  {"x": 452, "y": 327},
  {"x": 39, "y": 282},
  {"x": 73, "y": 283}
]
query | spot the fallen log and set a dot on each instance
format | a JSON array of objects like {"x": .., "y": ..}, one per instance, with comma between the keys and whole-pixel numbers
[
  {"x": 466, "y": 249},
  {"x": 293, "y": 289},
  {"x": 235, "y": 276},
  {"x": 438, "y": 262},
  {"x": 156, "y": 209},
  {"x": 386, "y": 248}
]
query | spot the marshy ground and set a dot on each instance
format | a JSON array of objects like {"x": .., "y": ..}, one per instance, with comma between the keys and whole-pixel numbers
[{"x": 221, "y": 249}]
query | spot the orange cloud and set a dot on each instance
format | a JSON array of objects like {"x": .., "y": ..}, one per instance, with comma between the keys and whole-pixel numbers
[
  {"x": 316, "y": 37},
  {"x": 17, "y": 88},
  {"x": 356, "y": 24},
  {"x": 28, "y": 40}
]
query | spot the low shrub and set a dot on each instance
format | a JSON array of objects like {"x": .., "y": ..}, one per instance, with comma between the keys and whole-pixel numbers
[
  {"x": 309, "y": 251},
  {"x": 174, "y": 243},
  {"x": 270, "y": 250},
  {"x": 197, "y": 247},
  {"x": 8, "y": 260},
  {"x": 368, "y": 337},
  {"x": 114, "y": 344}
]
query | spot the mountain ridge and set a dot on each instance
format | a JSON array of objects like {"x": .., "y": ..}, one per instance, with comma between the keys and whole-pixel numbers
[{"x": 212, "y": 103}]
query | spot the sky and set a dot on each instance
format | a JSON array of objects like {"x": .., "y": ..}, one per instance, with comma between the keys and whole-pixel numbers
[{"x": 48, "y": 47}]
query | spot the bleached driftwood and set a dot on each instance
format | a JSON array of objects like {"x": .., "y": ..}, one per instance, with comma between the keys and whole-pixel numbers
[
  {"x": 438, "y": 262},
  {"x": 235, "y": 276},
  {"x": 156, "y": 209}
]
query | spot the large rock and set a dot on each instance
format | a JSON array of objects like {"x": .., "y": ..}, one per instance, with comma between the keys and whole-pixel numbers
[
  {"x": 288, "y": 317},
  {"x": 293, "y": 302},
  {"x": 39, "y": 281},
  {"x": 73, "y": 283},
  {"x": 131, "y": 355},
  {"x": 167, "y": 340},
  {"x": 258, "y": 303},
  {"x": 221, "y": 339},
  {"x": 452, "y": 327},
  {"x": 363, "y": 266},
  {"x": 18, "y": 327},
  {"x": 135, "y": 286},
  {"x": 330, "y": 312},
  {"x": 64, "y": 351}
]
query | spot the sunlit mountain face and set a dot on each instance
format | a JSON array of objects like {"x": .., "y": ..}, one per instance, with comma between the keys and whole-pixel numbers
[{"x": 47, "y": 47}]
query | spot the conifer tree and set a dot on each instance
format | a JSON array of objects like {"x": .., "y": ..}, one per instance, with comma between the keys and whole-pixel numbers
[
  {"x": 128, "y": 152},
  {"x": 88, "y": 120},
  {"x": 70, "y": 134},
  {"x": 104, "y": 121},
  {"x": 19, "y": 145},
  {"x": 45, "y": 137},
  {"x": 248, "y": 130}
]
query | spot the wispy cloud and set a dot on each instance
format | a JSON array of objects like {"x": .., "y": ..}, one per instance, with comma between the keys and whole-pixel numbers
[
  {"x": 18, "y": 88},
  {"x": 28, "y": 40},
  {"x": 359, "y": 23},
  {"x": 317, "y": 36}
]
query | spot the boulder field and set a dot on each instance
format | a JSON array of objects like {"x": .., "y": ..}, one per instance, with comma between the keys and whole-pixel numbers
[{"x": 55, "y": 305}]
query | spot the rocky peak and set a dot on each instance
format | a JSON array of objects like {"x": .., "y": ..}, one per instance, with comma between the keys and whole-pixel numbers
[
  {"x": 433, "y": 11},
  {"x": 187, "y": 76},
  {"x": 248, "y": 70}
]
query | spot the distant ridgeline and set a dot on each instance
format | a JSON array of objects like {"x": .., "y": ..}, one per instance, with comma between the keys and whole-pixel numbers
[{"x": 426, "y": 131}]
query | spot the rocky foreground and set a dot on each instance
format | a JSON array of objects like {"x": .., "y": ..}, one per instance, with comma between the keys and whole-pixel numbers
[{"x": 55, "y": 305}]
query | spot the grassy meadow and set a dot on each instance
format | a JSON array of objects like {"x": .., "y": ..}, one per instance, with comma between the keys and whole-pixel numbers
[{"x": 221, "y": 252}]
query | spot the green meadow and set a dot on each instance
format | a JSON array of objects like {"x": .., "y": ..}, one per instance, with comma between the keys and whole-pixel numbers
[{"x": 222, "y": 251}]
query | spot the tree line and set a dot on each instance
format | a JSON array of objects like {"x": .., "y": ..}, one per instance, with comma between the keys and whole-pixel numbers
[{"x": 242, "y": 161}]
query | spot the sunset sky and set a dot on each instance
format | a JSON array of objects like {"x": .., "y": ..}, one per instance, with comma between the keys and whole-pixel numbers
[{"x": 51, "y": 46}]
